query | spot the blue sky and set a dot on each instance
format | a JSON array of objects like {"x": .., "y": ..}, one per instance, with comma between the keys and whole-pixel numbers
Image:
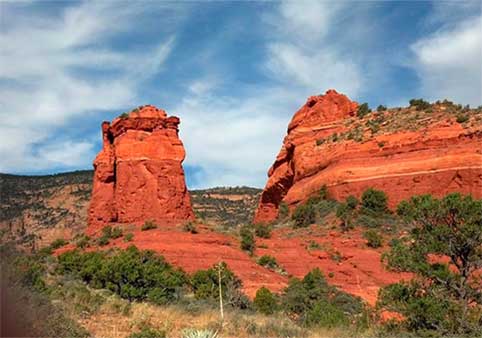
[{"x": 234, "y": 72}]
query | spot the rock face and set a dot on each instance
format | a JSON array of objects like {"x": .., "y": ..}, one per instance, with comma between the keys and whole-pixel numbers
[
  {"x": 138, "y": 173},
  {"x": 403, "y": 152}
]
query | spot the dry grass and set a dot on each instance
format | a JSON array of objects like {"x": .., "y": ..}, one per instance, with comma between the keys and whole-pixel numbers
[{"x": 117, "y": 318}]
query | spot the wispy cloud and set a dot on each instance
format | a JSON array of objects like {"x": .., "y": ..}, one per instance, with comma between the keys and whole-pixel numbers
[
  {"x": 59, "y": 67},
  {"x": 449, "y": 62},
  {"x": 235, "y": 73}
]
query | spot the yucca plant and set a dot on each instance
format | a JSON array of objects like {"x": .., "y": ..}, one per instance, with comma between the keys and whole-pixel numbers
[{"x": 195, "y": 333}]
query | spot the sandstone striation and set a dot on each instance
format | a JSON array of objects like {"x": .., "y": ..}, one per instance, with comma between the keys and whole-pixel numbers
[
  {"x": 138, "y": 173},
  {"x": 403, "y": 152}
]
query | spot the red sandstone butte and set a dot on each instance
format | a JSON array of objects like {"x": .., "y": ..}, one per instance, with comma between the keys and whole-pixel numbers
[
  {"x": 440, "y": 157},
  {"x": 138, "y": 174}
]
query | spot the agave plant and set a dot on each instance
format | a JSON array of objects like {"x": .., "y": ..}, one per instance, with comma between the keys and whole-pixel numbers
[{"x": 195, "y": 333}]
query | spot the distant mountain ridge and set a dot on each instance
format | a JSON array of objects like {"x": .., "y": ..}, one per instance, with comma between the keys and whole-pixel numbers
[{"x": 37, "y": 209}]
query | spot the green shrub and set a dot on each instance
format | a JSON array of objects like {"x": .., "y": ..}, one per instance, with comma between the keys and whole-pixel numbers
[
  {"x": 265, "y": 302},
  {"x": 374, "y": 200},
  {"x": 312, "y": 245},
  {"x": 148, "y": 225},
  {"x": 374, "y": 240},
  {"x": 363, "y": 110},
  {"x": 352, "y": 202},
  {"x": 102, "y": 241},
  {"x": 190, "y": 227},
  {"x": 262, "y": 230},
  {"x": 205, "y": 285},
  {"x": 420, "y": 104},
  {"x": 304, "y": 215},
  {"x": 315, "y": 303},
  {"x": 128, "y": 237},
  {"x": 131, "y": 273},
  {"x": 268, "y": 262},
  {"x": 124, "y": 115},
  {"x": 326, "y": 314},
  {"x": 283, "y": 211},
  {"x": 108, "y": 233},
  {"x": 462, "y": 118},
  {"x": 247, "y": 239},
  {"x": 325, "y": 207},
  {"x": 60, "y": 242},
  {"x": 116, "y": 232},
  {"x": 441, "y": 296},
  {"x": 147, "y": 332},
  {"x": 381, "y": 108},
  {"x": 82, "y": 241}
]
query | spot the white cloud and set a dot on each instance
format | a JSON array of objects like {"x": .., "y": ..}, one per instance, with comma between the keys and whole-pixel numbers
[
  {"x": 302, "y": 54},
  {"x": 43, "y": 61},
  {"x": 233, "y": 138},
  {"x": 449, "y": 64}
]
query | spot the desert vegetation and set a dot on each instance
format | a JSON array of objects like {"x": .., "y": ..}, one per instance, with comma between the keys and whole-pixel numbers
[{"x": 441, "y": 249}]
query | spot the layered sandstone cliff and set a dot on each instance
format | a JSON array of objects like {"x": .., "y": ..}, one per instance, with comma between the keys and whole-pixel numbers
[
  {"x": 138, "y": 173},
  {"x": 402, "y": 151}
]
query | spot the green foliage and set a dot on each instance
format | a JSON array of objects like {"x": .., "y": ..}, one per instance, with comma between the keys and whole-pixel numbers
[
  {"x": 247, "y": 239},
  {"x": 148, "y": 225},
  {"x": 116, "y": 232},
  {"x": 346, "y": 212},
  {"x": 124, "y": 115},
  {"x": 419, "y": 104},
  {"x": 363, "y": 110},
  {"x": 462, "y": 118},
  {"x": 374, "y": 240},
  {"x": 102, "y": 241},
  {"x": 442, "y": 297},
  {"x": 381, "y": 108},
  {"x": 352, "y": 202},
  {"x": 131, "y": 273},
  {"x": 58, "y": 243},
  {"x": 147, "y": 332},
  {"x": 320, "y": 141},
  {"x": 128, "y": 237},
  {"x": 82, "y": 241},
  {"x": 268, "y": 262},
  {"x": 265, "y": 302},
  {"x": 374, "y": 200},
  {"x": 190, "y": 227},
  {"x": 262, "y": 230},
  {"x": 108, "y": 233},
  {"x": 315, "y": 303},
  {"x": 283, "y": 211},
  {"x": 313, "y": 245},
  {"x": 205, "y": 285},
  {"x": 304, "y": 215}
]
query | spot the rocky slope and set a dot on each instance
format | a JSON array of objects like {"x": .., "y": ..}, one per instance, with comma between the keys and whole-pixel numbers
[
  {"x": 434, "y": 149},
  {"x": 36, "y": 210},
  {"x": 138, "y": 174},
  {"x": 226, "y": 206}
]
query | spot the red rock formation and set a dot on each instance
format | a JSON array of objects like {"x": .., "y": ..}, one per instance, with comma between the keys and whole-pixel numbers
[
  {"x": 438, "y": 156},
  {"x": 138, "y": 173}
]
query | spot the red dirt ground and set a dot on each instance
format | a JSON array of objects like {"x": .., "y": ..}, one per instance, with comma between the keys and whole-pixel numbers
[{"x": 344, "y": 258}]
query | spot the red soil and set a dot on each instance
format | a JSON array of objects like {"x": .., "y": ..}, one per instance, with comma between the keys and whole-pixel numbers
[{"x": 358, "y": 271}]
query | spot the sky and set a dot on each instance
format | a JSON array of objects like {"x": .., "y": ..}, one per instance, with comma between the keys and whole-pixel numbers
[{"x": 235, "y": 72}]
